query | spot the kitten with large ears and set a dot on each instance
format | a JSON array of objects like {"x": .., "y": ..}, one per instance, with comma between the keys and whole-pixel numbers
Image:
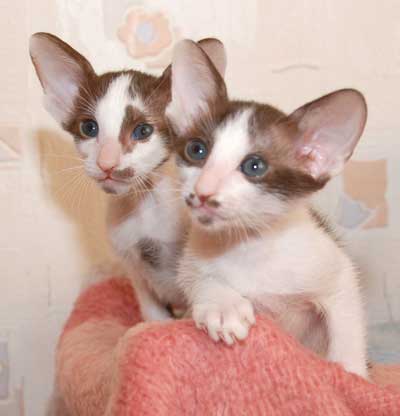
[
  {"x": 255, "y": 244},
  {"x": 117, "y": 122}
]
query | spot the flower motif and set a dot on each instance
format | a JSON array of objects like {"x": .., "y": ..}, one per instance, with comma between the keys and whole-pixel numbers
[
  {"x": 363, "y": 203},
  {"x": 145, "y": 34}
]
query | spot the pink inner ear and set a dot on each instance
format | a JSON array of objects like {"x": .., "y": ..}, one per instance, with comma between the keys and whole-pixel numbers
[
  {"x": 60, "y": 73},
  {"x": 194, "y": 85},
  {"x": 215, "y": 50},
  {"x": 328, "y": 131},
  {"x": 313, "y": 159}
]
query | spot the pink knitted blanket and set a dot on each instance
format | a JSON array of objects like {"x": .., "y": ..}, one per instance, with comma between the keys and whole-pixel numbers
[{"x": 110, "y": 363}]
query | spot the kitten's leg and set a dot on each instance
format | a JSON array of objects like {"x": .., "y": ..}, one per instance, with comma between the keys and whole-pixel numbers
[
  {"x": 222, "y": 311},
  {"x": 346, "y": 326},
  {"x": 150, "y": 307}
]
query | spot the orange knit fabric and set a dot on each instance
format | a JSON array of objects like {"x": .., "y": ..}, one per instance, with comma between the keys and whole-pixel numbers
[{"x": 108, "y": 363}]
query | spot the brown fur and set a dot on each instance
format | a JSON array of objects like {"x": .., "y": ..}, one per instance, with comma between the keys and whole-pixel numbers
[{"x": 271, "y": 135}]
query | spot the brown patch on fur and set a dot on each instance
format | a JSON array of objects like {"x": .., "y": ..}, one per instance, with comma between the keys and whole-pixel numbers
[
  {"x": 156, "y": 94},
  {"x": 150, "y": 251},
  {"x": 123, "y": 174},
  {"x": 272, "y": 135},
  {"x": 153, "y": 91},
  {"x": 204, "y": 127},
  {"x": 288, "y": 183},
  {"x": 212, "y": 203},
  {"x": 122, "y": 206},
  {"x": 323, "y": 223},
  {"x": 133, "y": 117},
  {"x": 91, "y": 90}
]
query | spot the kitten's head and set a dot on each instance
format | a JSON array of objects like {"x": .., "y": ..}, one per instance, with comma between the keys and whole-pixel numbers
[
  {"x": 243, "y": 163},
  {"x": 116, "y": 119}
]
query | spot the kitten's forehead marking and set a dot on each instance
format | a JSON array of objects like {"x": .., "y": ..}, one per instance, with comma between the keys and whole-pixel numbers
[
  {"x": 111, "y": 108},
  {"x": 232, "y": 139},
  {"x": 231, "y": 145}
]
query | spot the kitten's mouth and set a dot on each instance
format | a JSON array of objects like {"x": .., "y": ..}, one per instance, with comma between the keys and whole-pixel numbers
[
  {"x": 206, "y": 215},
  {"x": 108, "y": 181},
  {"x": 114, "y": 186}
]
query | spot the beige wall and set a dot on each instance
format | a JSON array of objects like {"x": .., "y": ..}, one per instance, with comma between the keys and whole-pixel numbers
[{"x": 281, "y": 51}]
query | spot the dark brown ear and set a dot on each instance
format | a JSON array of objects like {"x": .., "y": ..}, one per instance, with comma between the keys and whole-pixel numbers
[
  {"x": 197, "y": 86},
  {"x": 327, "y": 131},
  {"x": 61, "y": 70}
]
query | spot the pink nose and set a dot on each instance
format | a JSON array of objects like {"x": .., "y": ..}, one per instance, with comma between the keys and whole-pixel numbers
[
  {"x": 109, "y": 156},
  {"x": 203, "y": 198}
]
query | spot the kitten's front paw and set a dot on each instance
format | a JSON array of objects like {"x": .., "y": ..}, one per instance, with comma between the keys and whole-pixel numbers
[
  {"x": 361, "y": 370},
  {"x": 228, "y": 321}
]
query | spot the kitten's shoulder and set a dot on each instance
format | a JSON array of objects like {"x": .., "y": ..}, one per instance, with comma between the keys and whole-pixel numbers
[{"x": 323, "y": 223}]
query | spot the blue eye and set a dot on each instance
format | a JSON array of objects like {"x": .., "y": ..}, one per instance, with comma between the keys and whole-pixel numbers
[
  {"x": 142, "y": 131},
  {"x": 196, "y": 150},
  {"x": 254, "y": 166},
  {"x": 89, "y": 128}
]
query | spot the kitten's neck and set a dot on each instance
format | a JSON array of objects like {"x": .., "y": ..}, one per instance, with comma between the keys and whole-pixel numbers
[
  {"x": 209, "y": 244},
  {"x": 122, "y": 206}
]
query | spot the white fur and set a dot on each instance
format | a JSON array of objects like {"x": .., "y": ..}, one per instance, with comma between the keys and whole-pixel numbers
[
  {"x": 110, "y": 109},
  {"x": 158, "y": 217},
  {"x": 294, "y": 260},
  {"x": 158, "y": 214},
  {"x": 288, "y": 266},
  {"x": 110, "y": 112},
  {"x": 231, "y": 143},
  {"x": 221, "y": 178},
  {"x": 146, "y": 156}
]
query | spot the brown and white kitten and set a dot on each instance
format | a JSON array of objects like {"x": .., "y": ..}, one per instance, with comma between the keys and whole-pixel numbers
[
  {"x": 117, "y": 122},
  {"x": 248, "y": 171}
]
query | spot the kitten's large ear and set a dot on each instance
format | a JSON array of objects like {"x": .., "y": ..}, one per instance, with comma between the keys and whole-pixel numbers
[
  {"x": 197, "y": 87},
  {"x": 215, "y": 50},
  {"x": 61, "y": 70},
  {"x": 326, "y": 132}
]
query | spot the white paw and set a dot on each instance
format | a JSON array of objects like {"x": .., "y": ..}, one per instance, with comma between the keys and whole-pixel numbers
[
  {"x": 361, "y": 370},
  {"x": 227, "y": 321}
]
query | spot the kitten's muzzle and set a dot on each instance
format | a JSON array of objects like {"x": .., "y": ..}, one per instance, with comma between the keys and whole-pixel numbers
[
  {"x": 122, "y": 174},
  {"x": 202, "y": 201}
]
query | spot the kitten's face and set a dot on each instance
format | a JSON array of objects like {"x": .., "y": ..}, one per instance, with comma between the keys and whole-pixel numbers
[
  {"x": 116, "y": 119},
  {"x": 245, "y": 164},
  {"x": 118, "y": 126},
  {"x": 241, "y": 172}
]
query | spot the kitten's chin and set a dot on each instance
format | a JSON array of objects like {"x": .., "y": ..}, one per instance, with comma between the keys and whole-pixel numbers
[
  {"x": 114, "y": 188},
  {"x": 210, "y": 223}
]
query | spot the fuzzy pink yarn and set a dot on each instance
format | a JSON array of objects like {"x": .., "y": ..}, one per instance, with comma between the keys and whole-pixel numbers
[{"x": 110, "y": 363}]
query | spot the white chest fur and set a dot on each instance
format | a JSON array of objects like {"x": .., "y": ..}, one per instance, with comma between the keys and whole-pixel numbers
[
  {"x": 156, "y": 221},
  {"x": 295, "y": 271},
  {"x": 297, "y": 257}
]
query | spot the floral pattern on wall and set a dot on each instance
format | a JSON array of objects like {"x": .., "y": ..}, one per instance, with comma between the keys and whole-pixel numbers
[
  {"x": 148, "y": 35},
  {"x": 144, "y": 33},
  {"x": 363, "y": 202}
]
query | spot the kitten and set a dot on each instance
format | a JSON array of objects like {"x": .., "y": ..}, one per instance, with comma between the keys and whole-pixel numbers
[
  {"x": 117, "y": 122},
  {"x": 247, "y": 173}
]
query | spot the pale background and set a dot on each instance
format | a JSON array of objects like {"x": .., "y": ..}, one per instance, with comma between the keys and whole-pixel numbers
[{"x": 283, "y": 52}]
